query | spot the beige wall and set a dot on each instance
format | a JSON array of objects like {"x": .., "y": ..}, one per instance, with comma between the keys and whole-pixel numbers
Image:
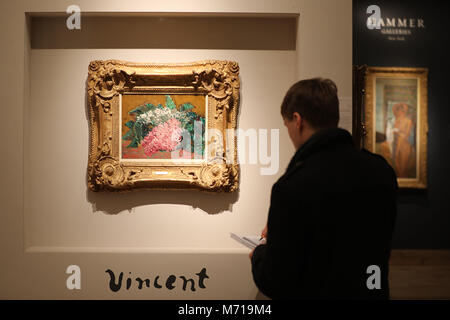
[{"x": 48, "y": 218}]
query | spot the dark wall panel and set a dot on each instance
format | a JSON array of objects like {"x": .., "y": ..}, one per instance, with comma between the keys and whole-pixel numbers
[{"x": 423, "y": 216}]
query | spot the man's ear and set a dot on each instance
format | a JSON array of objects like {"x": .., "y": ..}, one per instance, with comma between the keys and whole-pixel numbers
[{"x": 298, "y": 119}]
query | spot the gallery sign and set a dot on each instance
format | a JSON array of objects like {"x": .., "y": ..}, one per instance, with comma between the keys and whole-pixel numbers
[{"x": 393, "y": 28}]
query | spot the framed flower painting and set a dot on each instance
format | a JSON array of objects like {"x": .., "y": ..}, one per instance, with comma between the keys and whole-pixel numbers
[
  {"x": 163, "y": 125},
  {"x": 153, "y": 126}
]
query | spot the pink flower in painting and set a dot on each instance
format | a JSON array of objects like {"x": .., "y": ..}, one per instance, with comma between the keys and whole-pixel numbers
[{"x": 165, "y": 136}]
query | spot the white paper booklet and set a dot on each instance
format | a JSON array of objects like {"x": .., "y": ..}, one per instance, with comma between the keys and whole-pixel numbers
[{"x": 248, "y": 241}]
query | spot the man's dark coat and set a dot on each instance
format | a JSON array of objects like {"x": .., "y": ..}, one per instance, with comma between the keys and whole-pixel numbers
[{"x": 331, "y": 216}]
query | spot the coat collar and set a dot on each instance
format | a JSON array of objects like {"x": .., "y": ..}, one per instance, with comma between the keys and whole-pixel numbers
[{"x": 320, "y": 140}]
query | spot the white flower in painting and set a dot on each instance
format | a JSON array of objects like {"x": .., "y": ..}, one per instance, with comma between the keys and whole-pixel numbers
[{"x": 158, "y": 116}]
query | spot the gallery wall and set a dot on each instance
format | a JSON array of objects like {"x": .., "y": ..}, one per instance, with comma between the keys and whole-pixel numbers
[
  {"x": 49, "y": 218},
  {"x": 423, "y": 220},
  {"x": 142, "y": 219}
]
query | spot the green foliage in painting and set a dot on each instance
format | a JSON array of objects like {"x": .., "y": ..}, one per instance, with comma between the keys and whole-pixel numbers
[{"x": 169, "y": 102}]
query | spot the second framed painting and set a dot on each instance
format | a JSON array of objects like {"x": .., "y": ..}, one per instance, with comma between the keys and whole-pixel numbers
[{"x": 395, "y": 121}]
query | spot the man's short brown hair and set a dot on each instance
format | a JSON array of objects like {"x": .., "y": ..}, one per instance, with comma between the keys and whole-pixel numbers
[{"x": 315, "y": 100}]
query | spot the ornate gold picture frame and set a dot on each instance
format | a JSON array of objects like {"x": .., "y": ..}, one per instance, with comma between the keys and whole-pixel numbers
[
  {"x": 163, "y": 125},
  {"x": 395, "y": 120}
]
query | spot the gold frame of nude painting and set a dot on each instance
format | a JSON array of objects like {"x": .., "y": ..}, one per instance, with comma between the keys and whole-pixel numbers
[
  {"x": 395, "y": 120},
  {"x": 111, "y": 166}
]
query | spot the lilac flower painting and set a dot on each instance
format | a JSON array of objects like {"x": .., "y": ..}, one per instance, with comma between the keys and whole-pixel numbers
[{"x": 161, "y": 126}]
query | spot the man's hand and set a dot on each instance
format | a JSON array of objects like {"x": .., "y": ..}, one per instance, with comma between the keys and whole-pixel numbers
[
  {"x": 264, "y": 232},
  {"x": 263, "y": 241}
]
